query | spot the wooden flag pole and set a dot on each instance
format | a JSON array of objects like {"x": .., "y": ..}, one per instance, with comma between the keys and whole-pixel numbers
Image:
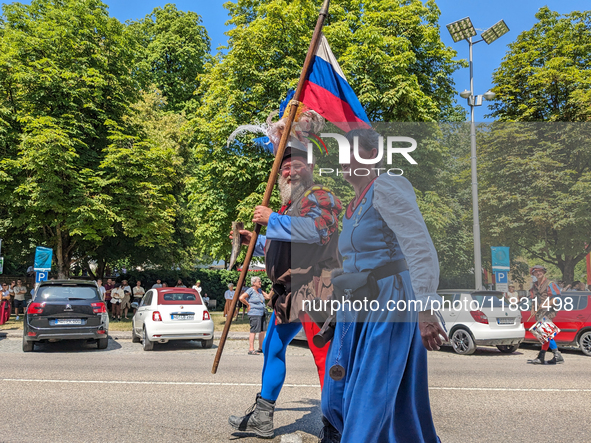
[{"x": 272, "y": 177}]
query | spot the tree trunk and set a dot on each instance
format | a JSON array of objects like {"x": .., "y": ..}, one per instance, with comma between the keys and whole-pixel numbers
[
  {"x": 100, "y": 268},
  {"x": 568, "y": 269},
  {"x": 62, "y": 254}
]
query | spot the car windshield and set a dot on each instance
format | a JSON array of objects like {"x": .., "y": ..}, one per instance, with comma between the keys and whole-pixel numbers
[
  {"x": 66, "y": 293},
  {"x": 487, "y": 301},
  {"x": 179, "y": 298}
]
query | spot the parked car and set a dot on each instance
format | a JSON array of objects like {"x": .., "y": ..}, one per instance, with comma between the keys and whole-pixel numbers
[
  {"x": 573, "y": 319},
  {"x": 65, "y": 310},
  {"x": 171, "y": 314},
  {"x": 479, "y": 318}
]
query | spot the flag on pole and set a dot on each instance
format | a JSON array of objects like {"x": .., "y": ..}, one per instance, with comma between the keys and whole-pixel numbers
[{"x": 327, "y": 91}]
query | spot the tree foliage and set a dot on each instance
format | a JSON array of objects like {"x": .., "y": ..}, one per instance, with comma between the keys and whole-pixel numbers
[
  {"x": 87, "y": 158},
  {"x": 390, "y": 52},
  {"x": 546, "y": 74},
  {"x": 536, "y": 190},
  {"x": 175, "y": 47}
]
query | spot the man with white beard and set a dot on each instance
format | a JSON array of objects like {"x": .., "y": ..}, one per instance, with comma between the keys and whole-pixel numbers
[{"x": 300, "y": 250}]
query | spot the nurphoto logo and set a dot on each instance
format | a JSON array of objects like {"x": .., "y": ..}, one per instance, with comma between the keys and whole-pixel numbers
[{"x": 345, "y": 154}]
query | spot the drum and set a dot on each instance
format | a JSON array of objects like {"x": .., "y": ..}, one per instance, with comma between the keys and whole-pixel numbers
[{"x": 544, "y": 330}]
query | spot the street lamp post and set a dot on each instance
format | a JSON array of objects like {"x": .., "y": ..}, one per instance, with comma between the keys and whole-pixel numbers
[{"x": 464, "y": 30}]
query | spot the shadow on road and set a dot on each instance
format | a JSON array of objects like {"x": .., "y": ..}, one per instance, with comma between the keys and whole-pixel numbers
[
  {"x": 74, "y": 346},
  {"x": 310, "y": 422}
]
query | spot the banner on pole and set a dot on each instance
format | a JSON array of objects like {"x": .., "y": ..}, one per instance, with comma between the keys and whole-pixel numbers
[
  {"x": 500, "y": 258},
  {"x": 1, "y": 265},
  {"x": 43, "y": 257}
]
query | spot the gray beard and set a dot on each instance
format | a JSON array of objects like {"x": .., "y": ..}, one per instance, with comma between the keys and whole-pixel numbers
[{"x": 291, "y": 193}]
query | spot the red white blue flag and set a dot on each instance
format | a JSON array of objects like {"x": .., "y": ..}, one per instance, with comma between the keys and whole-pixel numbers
[{"x": 327, "y": 91}]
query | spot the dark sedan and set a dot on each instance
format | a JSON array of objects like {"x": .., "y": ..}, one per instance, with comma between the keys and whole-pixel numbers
[{"x": 66, "y": 310}]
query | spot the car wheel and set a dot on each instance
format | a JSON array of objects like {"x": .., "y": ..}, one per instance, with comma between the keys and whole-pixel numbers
[
  {"x": 148, "y": 345},
  {"x": 102, "y": 343},
  {"x": 508, "y": 349},
  {"x": 28, "y": 346},
  {"x": 206, "y": 344},
  {"x": 585, "y": 343},
  {"x": 462, "y": 342},
  {"x": 134, "y": 338}
]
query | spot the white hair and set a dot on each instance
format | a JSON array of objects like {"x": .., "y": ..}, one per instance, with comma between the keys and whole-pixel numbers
[
  {"x": 230, "y": 284},
  {"x": 253, "y": 280}
]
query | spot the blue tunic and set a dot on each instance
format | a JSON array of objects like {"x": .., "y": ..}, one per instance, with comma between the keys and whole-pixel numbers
[{"x": 384, "y": 395}]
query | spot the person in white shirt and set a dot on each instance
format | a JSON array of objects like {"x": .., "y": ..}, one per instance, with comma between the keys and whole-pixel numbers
[
  {"x": 198, "y": 287},
  {"x": 101, "y": 289},
  {"x": 228, "y": 296},
  {"x": 138, "y": 293},
  {"x": 117, "y": 295}
]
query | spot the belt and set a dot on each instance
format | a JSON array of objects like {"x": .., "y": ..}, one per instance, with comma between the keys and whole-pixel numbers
[{"x": 392, "y": 268}]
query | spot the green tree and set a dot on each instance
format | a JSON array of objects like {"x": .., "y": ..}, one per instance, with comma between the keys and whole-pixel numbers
[
  {"x": 536, "y": 191},
  {"x": 64, "y": 72},
  {"x": 86, "y": 159},
  {"x": 545, "y": 75},
  {"x": 175, "y": 48},
  {"x": 390, "y": 52}
]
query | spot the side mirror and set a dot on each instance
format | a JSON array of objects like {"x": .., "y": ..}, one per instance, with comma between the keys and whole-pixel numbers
[{"x": 134, "y": 305}]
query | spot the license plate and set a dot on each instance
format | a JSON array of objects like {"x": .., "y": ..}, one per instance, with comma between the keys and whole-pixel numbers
[
  {"x": 506, "y": 321},
  {"x": 183, "y": 317},
  {"x": 68, "y": 321}
]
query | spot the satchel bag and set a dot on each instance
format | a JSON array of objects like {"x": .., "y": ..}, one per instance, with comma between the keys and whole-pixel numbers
[{"x": 355, "y": 286}]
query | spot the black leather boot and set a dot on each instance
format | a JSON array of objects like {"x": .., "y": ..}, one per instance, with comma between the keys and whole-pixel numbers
[
  {"x": 329, "y": 433},
  {"x": 539, "y": 360},
  {"x": 557, "y": 359},
  {"x": 259, "y": 419}
]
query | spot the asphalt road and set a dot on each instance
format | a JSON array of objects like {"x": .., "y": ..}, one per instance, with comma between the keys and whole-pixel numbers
[{"x": 71, "y": 392}]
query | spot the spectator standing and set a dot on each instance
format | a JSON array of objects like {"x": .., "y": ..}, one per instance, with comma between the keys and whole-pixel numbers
[
  {"x": 20, "y": 291},
  {"x": 158, "y": 284},
  {"x": 126, "y": 303},
  {"x": 108, "y": 288},
  {"x": 512, "y": 294},
  {"x": 198, "y": 287},
  {"x": 164, "y": 285},
  {"x": 101, "y": 288},
  {"x": 228, "y": 296},
  {"x": 117, "y": 295},
  {"x": 138, "y": 292},
  {"x": 4, "y": 303},
  {"x": 254, "y": 299},
  {"x": 180, "y": 284}
]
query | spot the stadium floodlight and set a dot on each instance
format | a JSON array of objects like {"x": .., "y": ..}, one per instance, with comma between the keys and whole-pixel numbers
[
  {"x": 461, "y": 29},
  {"x": 495, "y": 31}
]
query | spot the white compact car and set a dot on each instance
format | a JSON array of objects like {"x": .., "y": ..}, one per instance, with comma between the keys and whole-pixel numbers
[
  {"x": 171, "y": 314},
  {"x": 480, "y": 318}
]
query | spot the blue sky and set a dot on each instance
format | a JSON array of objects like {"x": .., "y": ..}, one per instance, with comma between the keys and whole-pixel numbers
[{"x": 518, "y": 14}]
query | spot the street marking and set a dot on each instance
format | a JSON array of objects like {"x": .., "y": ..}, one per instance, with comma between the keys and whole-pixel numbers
[
  {"x": 287, "y": 385},
  {"x": 442, "y": 388},
  {"x": 125, "y": 382}
]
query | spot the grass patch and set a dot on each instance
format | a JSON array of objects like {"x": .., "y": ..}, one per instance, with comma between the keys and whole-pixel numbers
[{"x": 240, "y": 325}]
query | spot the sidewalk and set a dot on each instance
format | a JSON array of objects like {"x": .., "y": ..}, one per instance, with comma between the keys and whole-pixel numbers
[{"x": 125, "y": 335}]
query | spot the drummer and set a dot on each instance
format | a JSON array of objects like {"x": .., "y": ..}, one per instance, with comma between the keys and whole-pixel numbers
[{"x": 542, "y": 293}]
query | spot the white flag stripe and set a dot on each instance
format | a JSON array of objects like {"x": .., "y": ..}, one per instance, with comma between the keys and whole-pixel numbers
[{"x": 325, "y": 53}]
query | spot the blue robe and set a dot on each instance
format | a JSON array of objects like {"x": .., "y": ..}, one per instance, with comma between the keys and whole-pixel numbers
[{"x": 384, "y": 395}]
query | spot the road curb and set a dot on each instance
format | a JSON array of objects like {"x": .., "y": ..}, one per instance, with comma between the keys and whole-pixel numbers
[{"x": 125, "y": 335}]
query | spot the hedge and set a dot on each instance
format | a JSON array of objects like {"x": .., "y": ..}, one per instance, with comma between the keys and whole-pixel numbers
[{"x": 213, "y": 281}]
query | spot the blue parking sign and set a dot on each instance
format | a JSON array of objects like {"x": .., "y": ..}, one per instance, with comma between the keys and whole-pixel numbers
[
  {"x": 502, "y": 277},
  {"x": 41, "y": 276}
]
